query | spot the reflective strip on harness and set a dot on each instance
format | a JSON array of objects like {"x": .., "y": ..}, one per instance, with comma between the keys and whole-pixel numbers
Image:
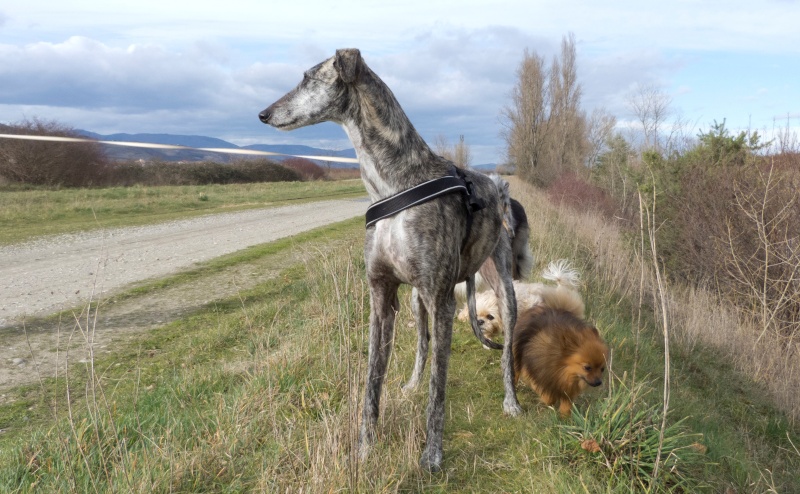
[{"x": 419, "y": 194}]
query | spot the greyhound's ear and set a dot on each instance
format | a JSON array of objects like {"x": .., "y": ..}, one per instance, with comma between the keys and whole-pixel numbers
[{"x": 348, "y": 64}]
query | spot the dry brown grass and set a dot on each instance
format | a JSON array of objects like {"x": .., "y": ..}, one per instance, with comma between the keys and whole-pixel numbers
[{"x": 344, "y": 173}]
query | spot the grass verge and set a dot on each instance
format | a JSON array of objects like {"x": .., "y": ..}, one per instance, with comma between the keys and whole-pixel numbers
[{"x": 25, "y": 214}]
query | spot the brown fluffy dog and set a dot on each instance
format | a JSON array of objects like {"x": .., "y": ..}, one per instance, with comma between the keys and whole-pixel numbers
[{"x": 556, "y": 352}]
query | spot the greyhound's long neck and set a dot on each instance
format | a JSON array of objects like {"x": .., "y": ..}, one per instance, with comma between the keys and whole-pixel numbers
[{"x": 392, "y": 155}]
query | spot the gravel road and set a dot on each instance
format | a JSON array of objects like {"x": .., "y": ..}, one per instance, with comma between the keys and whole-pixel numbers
[{"x": 55, "y": 273}]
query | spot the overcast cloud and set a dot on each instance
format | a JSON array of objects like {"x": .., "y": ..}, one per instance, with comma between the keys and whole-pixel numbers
[{"x": 208, "y": 68}]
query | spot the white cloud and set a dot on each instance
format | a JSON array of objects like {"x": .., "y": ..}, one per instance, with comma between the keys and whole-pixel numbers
[
  {"x": 85, "y": 73},
  {"x": 177, "y": 67}
]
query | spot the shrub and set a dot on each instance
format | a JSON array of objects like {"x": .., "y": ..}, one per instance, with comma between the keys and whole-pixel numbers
[
  {"x": 306, "y": 168},
  {"x": 50, "y": 163},
  {"x": 263, "y": 170},
  {"x": 738, "y": 227},
  {"x": 727, "y": 220},
  {"x": 203, "y": 173},
  {"x": 572, "y": 190}
]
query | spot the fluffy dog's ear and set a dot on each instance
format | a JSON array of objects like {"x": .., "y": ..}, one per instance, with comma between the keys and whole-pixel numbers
[{"x": 348, "y": 63}]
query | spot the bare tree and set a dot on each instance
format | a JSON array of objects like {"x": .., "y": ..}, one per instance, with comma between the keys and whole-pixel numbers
[
  {"x": 651, "y": 107},
  {"x": 568, "y": 145},
  {"x": 599, "y": 130},
  {"x": 527, "y": 117},
  {"x": 763, "y": 260},
  {"x": 441, "y": 146},
  {"x": 545, "y": 130},
  {"x": 462, "y": 156},
  {"x": 459, "y": 154},
  {"x": 680, "y": 136}
]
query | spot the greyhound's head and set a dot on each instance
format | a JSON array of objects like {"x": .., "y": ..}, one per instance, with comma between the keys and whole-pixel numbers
[{"x": 320, "y": 96}]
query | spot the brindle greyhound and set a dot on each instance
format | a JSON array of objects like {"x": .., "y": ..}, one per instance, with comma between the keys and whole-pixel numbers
[{"x": 431, "y": 246}]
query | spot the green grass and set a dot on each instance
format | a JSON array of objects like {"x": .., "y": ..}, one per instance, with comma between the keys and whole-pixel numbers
[
  {"x": 25, "y": 214},
  {"x": 260, "y": 392}
]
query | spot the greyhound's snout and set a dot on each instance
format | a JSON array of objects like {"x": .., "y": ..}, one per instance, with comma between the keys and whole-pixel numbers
[{"x": 264, "y": 115}]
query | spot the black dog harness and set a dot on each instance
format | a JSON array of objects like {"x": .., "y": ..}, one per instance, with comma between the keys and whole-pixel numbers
[{"x": 456, "y": 181}]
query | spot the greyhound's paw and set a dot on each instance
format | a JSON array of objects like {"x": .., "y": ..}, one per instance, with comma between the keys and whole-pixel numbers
[
  {"x": 409, "y": 387},
  {"x": 365, "y": 440},
  {"x": 512, "y": 408},
  {"x": 363, "y": 450},
  {"x": 431, "y": 463}
]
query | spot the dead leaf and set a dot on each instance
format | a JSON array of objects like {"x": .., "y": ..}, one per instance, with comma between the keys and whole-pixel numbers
[
  {"x": 700, "y": 448},
  {"x": 591, "y": 446}
]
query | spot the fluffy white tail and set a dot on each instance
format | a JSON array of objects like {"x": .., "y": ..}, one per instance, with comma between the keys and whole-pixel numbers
[
  {"x": 564, "y": 296},
  {"x": 562, "y": 273}
]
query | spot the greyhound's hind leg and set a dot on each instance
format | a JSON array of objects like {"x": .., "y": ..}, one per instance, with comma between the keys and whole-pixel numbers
[{"x": 508, "y": 308}]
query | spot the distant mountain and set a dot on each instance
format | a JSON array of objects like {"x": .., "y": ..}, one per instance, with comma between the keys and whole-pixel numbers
[
  {"x": 298, "y": 149},
  {"x": 126, "y": 153},
  {"x": 176, "y": 140}
]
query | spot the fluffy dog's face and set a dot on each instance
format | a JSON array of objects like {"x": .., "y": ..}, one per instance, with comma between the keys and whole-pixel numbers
[
  {"x": 588, "y": 362},
  {"x": 488, "y": 313}
]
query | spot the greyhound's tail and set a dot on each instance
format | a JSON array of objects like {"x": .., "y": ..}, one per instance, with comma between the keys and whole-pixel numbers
[
  {"x": 505, "y": 199},
  {"x": 473, "y": 317}
]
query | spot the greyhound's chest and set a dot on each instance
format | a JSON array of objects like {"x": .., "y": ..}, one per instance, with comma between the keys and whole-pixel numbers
[{"x": 412, "y": 248}]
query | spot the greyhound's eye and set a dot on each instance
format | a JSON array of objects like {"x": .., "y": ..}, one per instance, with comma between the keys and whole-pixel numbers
[
  {"x": 490, "y": 317},
  {"x": 587, "y": 368}
]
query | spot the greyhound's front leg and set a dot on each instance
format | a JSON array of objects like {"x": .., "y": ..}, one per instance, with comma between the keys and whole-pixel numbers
[
  {"x": 440, "y": 359},
  {"x": 421, "y": 320},
  {"x": 384, "y": 305}
]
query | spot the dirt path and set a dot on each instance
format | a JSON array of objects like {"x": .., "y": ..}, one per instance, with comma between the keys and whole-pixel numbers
[{"x": 56, "y": 273}]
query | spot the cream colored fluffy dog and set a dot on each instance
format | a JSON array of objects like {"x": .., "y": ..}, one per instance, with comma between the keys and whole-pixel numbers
[{"x": 530, "y": 295}]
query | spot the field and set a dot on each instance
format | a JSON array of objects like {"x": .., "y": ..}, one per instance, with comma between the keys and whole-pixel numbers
[{"x": 259, "y": 392}]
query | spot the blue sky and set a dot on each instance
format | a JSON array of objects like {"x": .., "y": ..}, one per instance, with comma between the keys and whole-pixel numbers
[{"x": 208, "y": 68}]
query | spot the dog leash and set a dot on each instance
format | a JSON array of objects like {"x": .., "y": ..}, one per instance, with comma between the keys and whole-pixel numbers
[
  {"x": 150, "y": 145},
  {"x": 457, "y": 181}
]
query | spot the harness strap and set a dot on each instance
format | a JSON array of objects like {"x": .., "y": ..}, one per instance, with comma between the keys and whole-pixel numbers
[{"x": 457, "y": 181}]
